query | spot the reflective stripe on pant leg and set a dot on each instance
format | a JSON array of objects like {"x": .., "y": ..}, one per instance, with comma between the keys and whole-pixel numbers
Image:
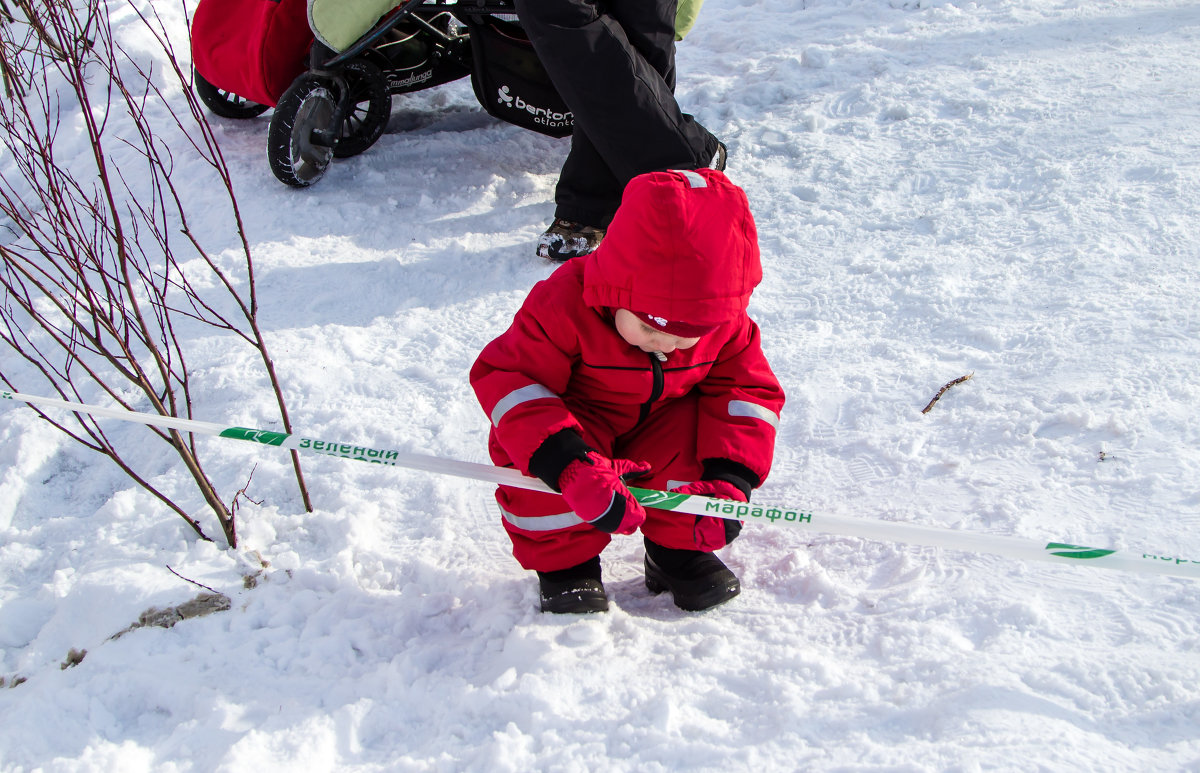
[
  {"x": 552, "y": 522},
  {"x": 545, "y": 534}
]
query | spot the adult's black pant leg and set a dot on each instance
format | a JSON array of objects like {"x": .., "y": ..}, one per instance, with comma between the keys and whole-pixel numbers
[
  {"x": 650, "y": 27},
  {"x": 622, "y": 104},
  {"x": 587, "y": 191}
]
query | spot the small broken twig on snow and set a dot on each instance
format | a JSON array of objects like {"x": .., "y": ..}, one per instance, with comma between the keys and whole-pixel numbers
[
  {"x": 193, "y": 582},
  {"x": 942, "y": 391}
]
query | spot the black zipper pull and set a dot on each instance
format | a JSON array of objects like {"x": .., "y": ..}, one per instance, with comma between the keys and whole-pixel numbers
[{"x": 656, "y": 387}]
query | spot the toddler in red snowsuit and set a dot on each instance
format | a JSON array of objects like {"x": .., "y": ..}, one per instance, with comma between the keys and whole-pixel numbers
[{"x": 640, "y": 351}]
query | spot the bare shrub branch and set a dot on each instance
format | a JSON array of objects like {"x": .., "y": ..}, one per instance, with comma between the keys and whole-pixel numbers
[{"x": 100, "y": 285}]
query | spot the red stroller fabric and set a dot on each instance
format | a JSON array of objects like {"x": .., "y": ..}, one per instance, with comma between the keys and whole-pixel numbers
[{"x": 252, "y": 48}]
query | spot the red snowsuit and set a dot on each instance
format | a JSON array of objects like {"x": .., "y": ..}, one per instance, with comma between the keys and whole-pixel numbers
[{"x": 683, "y": 246}]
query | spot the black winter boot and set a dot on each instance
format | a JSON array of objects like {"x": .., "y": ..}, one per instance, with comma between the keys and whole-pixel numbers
[
  {"x": 696, "y": 579},
  {"x": 574, "y": 590}
]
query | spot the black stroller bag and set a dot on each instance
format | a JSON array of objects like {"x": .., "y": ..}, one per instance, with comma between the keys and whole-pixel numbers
[{"x": 509, "y": 80}]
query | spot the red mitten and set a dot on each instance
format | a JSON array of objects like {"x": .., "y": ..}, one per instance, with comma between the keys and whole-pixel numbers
[
  {"x": 719, "y": 489},
  {"x": 595, "y": 489},
  {"x": 709, "y": 532}
]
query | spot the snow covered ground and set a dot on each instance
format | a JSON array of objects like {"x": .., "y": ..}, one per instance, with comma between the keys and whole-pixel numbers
[{"x": 1009, "y": 188}]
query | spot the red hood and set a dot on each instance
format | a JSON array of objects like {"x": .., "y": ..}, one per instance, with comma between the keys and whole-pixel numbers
[{"x": 682, "y": 246}]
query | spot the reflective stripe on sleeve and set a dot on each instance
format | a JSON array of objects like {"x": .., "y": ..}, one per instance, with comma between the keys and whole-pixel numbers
[
  {"x": 543, "y": 523},
  {"x": 754, "y": 411},
  {"x": 516, "y": 397}
]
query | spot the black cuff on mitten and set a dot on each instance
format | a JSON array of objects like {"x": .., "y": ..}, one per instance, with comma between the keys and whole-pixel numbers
[
  {"x": 610, "y": 521},
  {"x": 733, "y": 472},
  {"x": 555, "y": 453}
]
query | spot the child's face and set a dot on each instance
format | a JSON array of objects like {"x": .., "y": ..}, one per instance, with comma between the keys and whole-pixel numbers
[{"x": 639, "y": 334}]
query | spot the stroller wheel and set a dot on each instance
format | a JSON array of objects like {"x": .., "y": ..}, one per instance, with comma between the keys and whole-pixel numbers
[
  {"x": 302, "y": 135},
  {"x": 225, "y": 103},
  {"x": 368, "y": 110}
]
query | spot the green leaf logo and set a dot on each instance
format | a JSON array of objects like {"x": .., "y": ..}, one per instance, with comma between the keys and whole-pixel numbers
[
  {"x": 1076, "y": 551},
  {"x": 255, "y": 435},
  {"x": 663, "y": 500}
]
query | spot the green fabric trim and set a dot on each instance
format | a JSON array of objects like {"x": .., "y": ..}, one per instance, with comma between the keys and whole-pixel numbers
[
  {"x": 339, "y": 23},
  {"x": 685, "y": 17}
]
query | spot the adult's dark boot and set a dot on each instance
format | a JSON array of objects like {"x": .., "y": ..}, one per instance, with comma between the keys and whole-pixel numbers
[
  {"x": 566, "y": 239},
  {"x": 574, "y": 590},
  {"x": 697, "y": 580},
  {"x": 719, "y": 158}
]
